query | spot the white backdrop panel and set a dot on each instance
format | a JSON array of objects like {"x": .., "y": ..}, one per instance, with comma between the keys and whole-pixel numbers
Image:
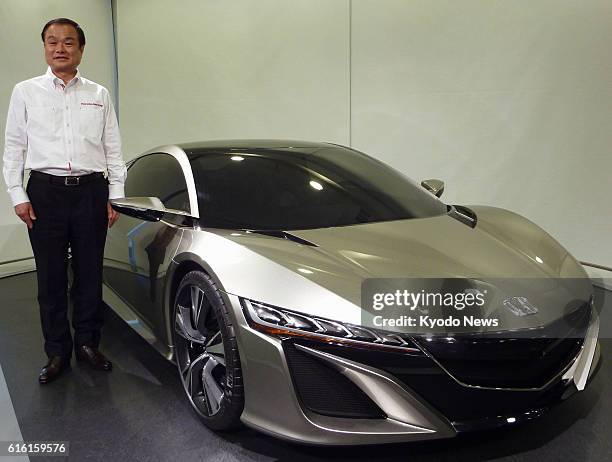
[
  {"x": 196, "y": 70},
  {"x": 22, "y": 57},
  {"x": 509, "y": 102}
]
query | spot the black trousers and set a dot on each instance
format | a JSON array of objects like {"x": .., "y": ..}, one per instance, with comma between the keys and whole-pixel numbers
[{"x": 74, "y": 216}]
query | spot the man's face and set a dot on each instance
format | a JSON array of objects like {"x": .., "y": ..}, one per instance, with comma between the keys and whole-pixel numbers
[{"x": 62, "y": 50}]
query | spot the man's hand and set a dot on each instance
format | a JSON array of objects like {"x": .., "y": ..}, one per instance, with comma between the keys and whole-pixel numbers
[
  {"x": 26, "y": 213},
  {"x": 112, "y": 215}
]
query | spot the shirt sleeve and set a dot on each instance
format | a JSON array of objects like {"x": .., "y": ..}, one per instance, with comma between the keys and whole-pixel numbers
[
  {"x": 15, "y": 148},
  {"x": 115, "y": 165}
]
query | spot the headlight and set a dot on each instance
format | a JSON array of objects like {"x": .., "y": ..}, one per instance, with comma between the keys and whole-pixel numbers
[{"x": 280, "y": 322}]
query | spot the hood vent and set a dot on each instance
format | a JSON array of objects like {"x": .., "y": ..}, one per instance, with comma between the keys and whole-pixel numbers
[
  {"x": 283, "y": 235},
  {"x": 464, "y": 215}
]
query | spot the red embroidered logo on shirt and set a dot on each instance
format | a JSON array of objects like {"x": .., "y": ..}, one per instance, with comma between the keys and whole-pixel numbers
[{"x": 92, "y": 104}]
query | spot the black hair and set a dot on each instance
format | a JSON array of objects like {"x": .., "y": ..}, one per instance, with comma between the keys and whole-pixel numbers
[{"x": 69, "y": 22}]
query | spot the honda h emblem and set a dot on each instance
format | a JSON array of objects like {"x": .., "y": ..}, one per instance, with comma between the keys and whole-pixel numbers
[{"x": 520, "y": 306}]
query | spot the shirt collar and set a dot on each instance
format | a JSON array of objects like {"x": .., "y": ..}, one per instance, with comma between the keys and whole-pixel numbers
[{"x": 56, "y": 80}]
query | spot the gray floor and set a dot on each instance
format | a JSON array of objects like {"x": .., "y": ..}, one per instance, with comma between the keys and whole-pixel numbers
[{"x": 138, "y": 412}]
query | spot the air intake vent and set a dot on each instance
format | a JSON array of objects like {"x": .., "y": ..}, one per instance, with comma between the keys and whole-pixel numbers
[
  {"x": 324, "y": 390},
  {"x": 284, "y": 235},
  {"x": 464, "y": 215}
]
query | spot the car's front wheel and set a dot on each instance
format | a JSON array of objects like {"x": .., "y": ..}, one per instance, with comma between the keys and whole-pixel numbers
[{"x": 206, "y": 352}]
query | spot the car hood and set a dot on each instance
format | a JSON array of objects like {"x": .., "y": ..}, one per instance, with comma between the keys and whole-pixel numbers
[{"x": 502, "y": 245}]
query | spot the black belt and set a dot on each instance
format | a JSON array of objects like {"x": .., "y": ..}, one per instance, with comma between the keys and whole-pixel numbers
[{"x": 67, "y": 180}]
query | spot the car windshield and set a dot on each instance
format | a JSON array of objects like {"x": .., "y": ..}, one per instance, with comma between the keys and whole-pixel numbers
[{"x": 303, "y": 188}]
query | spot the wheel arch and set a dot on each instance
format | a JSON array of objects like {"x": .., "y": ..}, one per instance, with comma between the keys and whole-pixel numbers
[{"x": 181, "y": 265}]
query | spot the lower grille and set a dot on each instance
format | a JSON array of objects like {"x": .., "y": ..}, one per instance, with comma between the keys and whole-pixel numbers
[
  {"x": 324, "y": 390},
  {"x": 497, "y": 361},
  {"x": 467, "y": 407}
]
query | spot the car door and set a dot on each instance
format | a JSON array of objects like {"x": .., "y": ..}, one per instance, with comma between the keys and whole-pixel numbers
[{"x": 139, "y": 252}]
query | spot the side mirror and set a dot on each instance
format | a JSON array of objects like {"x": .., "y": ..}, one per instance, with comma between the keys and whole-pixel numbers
[
  {"x": 436, "y": 187},
  {"x": 143, "y": 208}
]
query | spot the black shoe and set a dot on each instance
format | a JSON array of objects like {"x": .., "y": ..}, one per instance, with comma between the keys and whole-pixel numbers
[
  {"x": 53, "y": 369},
  {"x": 94, "y": 358}
]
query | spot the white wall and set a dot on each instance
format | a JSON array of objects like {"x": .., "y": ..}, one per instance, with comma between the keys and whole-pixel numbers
[
  {"x": 21, "y": 55},
  {"x": 195, "y": 70},
  {"x": 510, "y": 102}
]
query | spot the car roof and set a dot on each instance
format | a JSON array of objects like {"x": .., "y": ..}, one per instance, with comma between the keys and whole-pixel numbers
[{"x": 252, "y": 144}]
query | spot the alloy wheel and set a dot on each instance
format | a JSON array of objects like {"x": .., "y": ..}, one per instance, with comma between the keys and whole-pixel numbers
[{"x": 199, "y": 350}]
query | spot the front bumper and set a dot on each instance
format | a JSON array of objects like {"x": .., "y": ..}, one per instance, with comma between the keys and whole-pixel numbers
[{"x": 416, "y": 403}]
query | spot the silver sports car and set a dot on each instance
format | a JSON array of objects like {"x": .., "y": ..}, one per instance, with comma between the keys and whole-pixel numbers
[{"x": 261, "y": 268}]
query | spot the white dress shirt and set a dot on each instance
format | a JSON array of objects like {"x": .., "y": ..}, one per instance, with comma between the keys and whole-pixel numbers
[{"x": 61, "y": 129}]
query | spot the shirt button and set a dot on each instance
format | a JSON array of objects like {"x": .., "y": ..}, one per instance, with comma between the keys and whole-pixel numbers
[
  {"x": 66, "y": 107},
  {"x": 69, "y": 142}
]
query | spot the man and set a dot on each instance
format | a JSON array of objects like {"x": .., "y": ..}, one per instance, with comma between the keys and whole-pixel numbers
[{"x": 63, "y": 127}]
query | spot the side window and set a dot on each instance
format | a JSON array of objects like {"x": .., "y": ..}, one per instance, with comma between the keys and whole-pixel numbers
[{"x": 161, "y": 176}]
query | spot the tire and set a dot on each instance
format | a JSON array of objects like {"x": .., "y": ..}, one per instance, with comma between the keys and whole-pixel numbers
[{"x": 206, "y": 352}]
